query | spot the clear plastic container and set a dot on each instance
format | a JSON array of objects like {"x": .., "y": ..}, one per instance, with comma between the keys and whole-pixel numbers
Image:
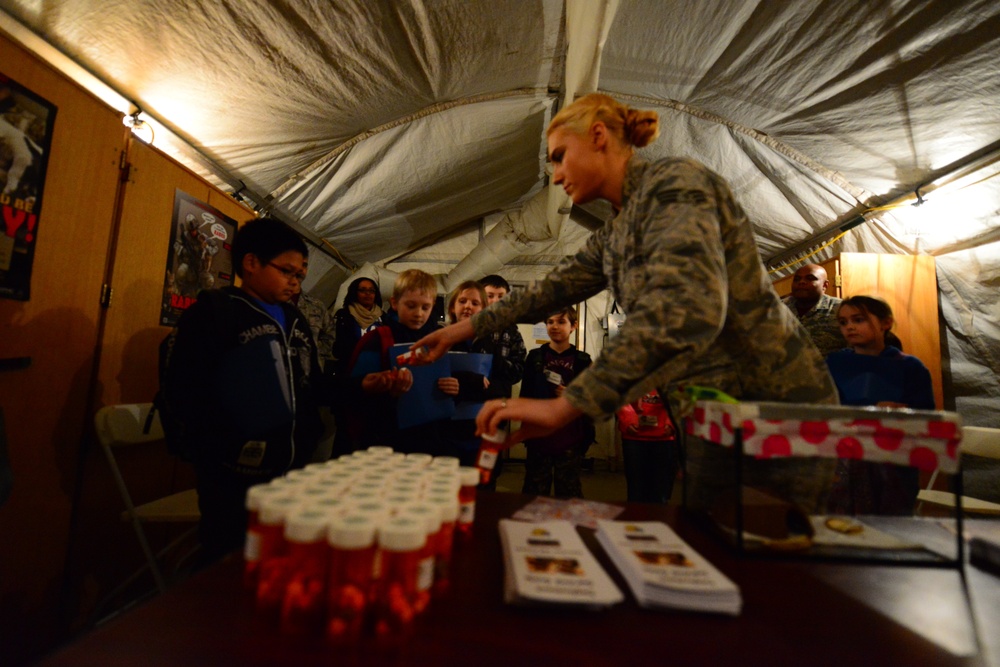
[
  {"x": 400, "y": 540},
  {"x": 351, "y": 576},
  {"x": 303, "y": 606}
]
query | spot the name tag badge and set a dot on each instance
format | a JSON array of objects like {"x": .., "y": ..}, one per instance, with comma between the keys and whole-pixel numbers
[
  {"x": 553, "y": 377},
  {"x": 252, "y": 454}
]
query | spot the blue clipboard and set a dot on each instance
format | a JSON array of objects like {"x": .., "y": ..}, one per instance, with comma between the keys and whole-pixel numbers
[
  {"x": 470, "y": 362},
  {"x": 424, "y": 402}
]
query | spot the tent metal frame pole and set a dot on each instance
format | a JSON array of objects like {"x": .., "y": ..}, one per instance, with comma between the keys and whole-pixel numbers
[{"x": 971, "y": 163}]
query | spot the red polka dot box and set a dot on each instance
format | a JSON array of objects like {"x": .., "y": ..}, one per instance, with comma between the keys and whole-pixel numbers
[{"x": 923, "y": 439}]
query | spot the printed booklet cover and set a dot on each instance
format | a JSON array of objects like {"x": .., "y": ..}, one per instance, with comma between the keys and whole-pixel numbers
[
  {"x": 663, "y": 571},
  {"x": 548, "y": 563}
]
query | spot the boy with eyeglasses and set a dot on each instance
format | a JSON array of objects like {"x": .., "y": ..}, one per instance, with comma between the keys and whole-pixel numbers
[{"x": 245, "y": 377}]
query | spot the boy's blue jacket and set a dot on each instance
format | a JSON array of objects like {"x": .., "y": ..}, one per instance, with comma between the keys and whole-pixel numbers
[{"x": 246, "y": 389}]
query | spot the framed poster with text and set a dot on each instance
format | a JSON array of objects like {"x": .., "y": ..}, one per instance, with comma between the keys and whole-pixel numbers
[
  {"x": 200, "y": 255},
  {"x": 26, "y": 124}
]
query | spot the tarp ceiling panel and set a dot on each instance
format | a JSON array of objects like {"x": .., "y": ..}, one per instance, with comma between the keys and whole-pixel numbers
[
  {"x": 268, "y": 88},
  {"x": 411, "y": 183},
  {"x": 864, "y": 88}
]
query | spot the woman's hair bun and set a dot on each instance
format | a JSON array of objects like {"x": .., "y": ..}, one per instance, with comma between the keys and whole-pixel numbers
[{"x": 641, "y": 127}]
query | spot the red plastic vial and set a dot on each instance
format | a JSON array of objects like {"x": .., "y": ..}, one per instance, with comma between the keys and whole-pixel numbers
[
  {"x": 303, "y": 605},
  {"x": 400, "y": 540},
  {"x": 349, "y": 585},
  {"x": 489, "y": 449}
]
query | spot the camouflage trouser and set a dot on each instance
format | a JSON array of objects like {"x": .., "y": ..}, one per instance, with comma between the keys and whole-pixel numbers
[{"x": 541, "y": 469}]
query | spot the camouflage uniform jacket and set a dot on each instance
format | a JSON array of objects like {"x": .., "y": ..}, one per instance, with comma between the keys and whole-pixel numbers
[
  {"x": 681, "y": 258},
  {"x": 321, "y": 324},
  {"x": 821, "y": 323}
]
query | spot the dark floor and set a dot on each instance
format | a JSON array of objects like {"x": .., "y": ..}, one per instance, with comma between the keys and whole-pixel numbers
[{"x": 599, "y": 483}]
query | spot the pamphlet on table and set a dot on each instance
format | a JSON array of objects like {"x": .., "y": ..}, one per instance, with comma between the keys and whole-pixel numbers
[
  {"x": 548, "y": 563},
  {"x": 664, "y": 571}
]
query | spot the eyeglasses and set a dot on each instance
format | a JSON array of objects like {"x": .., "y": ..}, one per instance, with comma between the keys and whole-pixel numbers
[
  {"x": 289, "y": 274},
  {"x": 366, "y": 290}
]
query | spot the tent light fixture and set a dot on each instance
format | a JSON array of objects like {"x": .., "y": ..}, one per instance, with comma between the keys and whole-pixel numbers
[{"x": 140, "y": 128}]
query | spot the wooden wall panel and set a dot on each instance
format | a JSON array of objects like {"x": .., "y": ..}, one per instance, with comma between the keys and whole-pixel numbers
[
  {"x": 46, "y": 404},
  {"x": 128, "y": 373}
]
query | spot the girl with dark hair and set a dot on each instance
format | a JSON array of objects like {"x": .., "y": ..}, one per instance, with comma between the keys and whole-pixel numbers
[{"x": 873, "y": 372}]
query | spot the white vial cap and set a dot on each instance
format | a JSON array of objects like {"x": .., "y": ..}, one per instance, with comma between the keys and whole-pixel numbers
[
  {"x": 428, "y": 512},
  {"x": 332, "y": 505},
  {"x": 257, "y": 493},
  {"x": 376, "y": 509},
  {"x": 497, "y": 438},
  {"x": 352, "y": 531},
  {"x": 306, "y": 525},
  {"x": 397, "y": 499},
  {"x": 402, "y": 533},
  {"x": 419, "y": 459},
  {"x": 468, "y": 476},
  {"x": 447, "y": 503},
  {"x": 446, "y": 462},
  {"x": 273, "y": 510}
]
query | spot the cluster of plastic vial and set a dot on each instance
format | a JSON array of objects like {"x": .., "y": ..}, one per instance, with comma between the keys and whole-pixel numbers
[{"x": 358, "y": 545}]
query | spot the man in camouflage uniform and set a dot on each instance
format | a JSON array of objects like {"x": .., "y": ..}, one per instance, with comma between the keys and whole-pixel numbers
[
  {"x": 681, "y": 259},
  {"x": 816, "y": 311},
  {"x": 321, "y": 324}
]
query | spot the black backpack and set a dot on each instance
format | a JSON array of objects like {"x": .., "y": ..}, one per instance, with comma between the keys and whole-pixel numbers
[{"x": 174, "y": 428}]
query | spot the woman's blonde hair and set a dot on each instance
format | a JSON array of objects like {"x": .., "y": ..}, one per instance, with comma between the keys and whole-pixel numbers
[
  {"x": 630, "y": 126},
  {"x": 468, "y": 284}
]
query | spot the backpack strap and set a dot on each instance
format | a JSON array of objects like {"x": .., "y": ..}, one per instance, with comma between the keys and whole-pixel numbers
[{"x": 385, "y": 341}]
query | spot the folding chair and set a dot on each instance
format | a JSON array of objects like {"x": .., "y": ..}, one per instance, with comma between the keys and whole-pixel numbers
[
  {"x": 121, "y": 426},
  {"x": 976, "y": 441}
]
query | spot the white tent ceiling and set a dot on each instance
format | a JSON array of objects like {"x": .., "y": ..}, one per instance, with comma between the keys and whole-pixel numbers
[{"x": 401, "y": 130}]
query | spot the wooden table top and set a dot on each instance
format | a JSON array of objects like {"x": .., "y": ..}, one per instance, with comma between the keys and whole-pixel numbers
[{"x": 794, "y": 613}]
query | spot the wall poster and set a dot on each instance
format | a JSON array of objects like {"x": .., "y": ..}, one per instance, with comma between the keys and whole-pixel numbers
[
  {"x": 200, "y": 255},
  {"x": 26, "y": 123}
]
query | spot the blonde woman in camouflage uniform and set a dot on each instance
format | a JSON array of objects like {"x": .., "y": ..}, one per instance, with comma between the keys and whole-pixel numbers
[{"x": 681, "y": 259}]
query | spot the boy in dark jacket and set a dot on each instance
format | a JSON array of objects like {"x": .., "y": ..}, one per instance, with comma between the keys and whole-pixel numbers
[
  {"x": 557, "y": 457},
  {"x": 373, "y": 386},
  {"x": 244, "y": 372}
]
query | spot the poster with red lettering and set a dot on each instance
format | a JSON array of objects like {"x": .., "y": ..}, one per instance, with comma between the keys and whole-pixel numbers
[
  {"x": 26, "y": 122},
  {"x": 200, "y": 255}
]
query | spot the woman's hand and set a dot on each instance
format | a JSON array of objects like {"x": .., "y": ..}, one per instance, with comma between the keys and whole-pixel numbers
[
  {"x": 439, "y": 342},
  {"x": 538, "y": 416},
  {"x": 448, "y": 385}
]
